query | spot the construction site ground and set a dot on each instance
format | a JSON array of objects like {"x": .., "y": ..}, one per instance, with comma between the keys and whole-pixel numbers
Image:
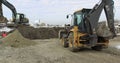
[
  {"x": 17, "y": 49},
  {"x": 51, "y": 51}
]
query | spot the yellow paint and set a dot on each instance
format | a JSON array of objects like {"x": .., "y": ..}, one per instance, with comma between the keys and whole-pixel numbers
[
  {"x": 77, "y": 39},
  {"x": 77, "y": 36}
]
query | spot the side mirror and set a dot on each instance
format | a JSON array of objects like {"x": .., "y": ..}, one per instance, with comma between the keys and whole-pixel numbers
[{"x": 67, "y": 16}]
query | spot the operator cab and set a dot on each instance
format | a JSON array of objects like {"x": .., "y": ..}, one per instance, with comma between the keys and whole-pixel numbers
[
  {"x": 79, "y": 19},
  {"x": 21, "y": 19}
]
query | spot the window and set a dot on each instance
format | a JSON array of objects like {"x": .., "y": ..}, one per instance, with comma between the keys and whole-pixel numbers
[
  {"x": 79, "y": 18},
  {"x": 18, "y": 16}
]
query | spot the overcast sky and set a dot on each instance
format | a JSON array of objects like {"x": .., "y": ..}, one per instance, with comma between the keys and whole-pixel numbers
[{"x": 53, "y": 11}]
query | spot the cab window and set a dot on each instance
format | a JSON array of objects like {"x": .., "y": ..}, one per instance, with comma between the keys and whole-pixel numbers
[{"x": 79, "y": 18}]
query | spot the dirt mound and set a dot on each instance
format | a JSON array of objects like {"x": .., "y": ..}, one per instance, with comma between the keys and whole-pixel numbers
[
  {"x": 15, "y": 39},
  {"x": 39, "y": 33},
  {"x": 103, "y": 31}
]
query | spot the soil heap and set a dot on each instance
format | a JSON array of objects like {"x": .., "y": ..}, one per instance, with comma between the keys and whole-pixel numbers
[
  {"x": 39, "y": 33},
  {"x": 15, "y": 39}
]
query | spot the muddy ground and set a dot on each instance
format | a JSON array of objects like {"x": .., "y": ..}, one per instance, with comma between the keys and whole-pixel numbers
[{"x": 51, "y": 51}]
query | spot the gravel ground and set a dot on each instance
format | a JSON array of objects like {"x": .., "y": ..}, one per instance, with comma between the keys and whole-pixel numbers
[{"x": 50, "y": 51}]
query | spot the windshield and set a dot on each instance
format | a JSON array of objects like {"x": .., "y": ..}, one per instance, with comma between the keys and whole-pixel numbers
[{"x": 78, "y": 18}]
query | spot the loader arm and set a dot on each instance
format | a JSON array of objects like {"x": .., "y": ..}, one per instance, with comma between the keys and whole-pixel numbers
[{"x": 93, "y": 17}]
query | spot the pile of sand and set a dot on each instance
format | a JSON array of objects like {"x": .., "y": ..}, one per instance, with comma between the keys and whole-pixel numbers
[{"x": 15, "y": 39}]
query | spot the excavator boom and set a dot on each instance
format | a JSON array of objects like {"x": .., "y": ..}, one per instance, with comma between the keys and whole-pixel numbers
[
  {"x": 10, "y": 6},
  {"x": 1, "y": 11},
  {"x": 107, "y": 5}
]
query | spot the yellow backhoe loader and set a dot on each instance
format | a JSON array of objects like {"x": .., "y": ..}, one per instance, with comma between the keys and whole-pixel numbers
[{"x": 83, "y": 32}]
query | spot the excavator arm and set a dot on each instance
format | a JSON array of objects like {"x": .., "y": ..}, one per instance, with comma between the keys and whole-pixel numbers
[
  {"x": 10, "y": 6},
  {"x": 107, "y": 5},
  {"x": 110, "y": 15}
]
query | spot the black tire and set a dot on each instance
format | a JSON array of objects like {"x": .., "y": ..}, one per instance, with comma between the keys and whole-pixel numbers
[
  {"x": 64, "y": 42},
  {"x": 73, "y": 49},
  {"x": 97, "y": 48}
]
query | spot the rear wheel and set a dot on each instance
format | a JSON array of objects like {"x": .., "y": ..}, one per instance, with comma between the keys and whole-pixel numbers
[
  {"x": 97, "y": 48},
  {"x": 72, "y": 46}
]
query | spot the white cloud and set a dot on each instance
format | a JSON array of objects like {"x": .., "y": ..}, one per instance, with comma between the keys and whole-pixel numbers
[{"x": 117, "y": 3}]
